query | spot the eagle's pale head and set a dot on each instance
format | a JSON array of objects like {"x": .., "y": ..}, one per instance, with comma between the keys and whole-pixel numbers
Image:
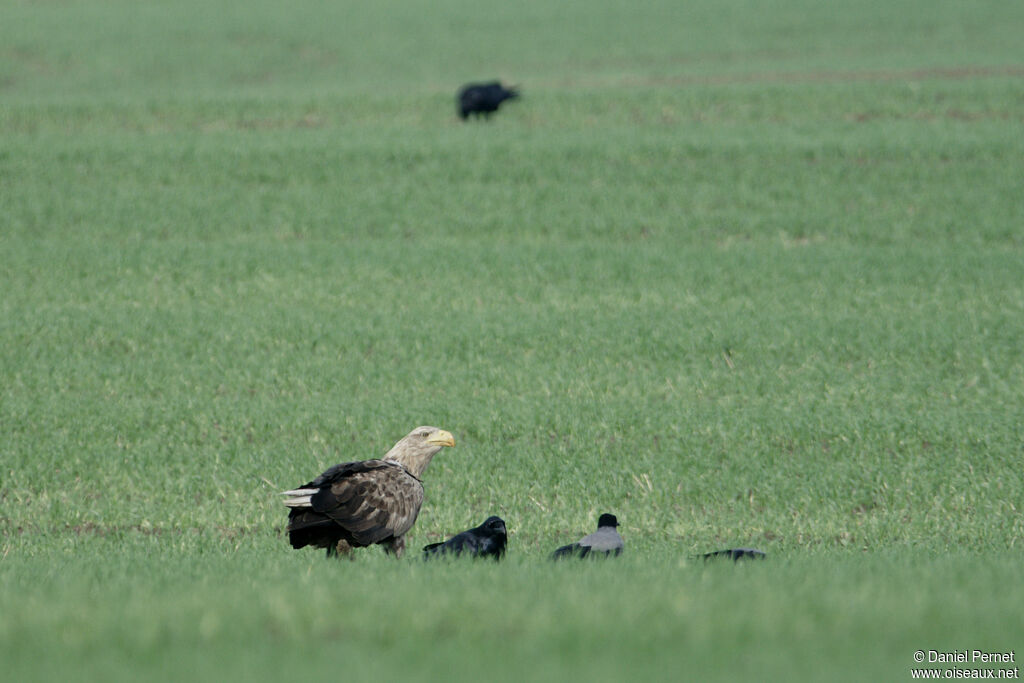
[{"x": 416, "y": 449}]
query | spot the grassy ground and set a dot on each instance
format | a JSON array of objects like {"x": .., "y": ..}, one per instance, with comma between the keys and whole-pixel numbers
[{"x": 741, "y": 273}]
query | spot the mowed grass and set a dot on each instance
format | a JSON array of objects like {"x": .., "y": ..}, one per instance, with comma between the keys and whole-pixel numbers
[{"x": 741, "y": 273}]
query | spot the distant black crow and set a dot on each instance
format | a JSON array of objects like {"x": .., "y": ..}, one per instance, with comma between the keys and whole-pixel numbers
[
  {"x": 486, "y": 540},
  {"x": 483, "y": 98},
  {"x": 735, "y": 554},
  {"x": 605, "y": 542}
]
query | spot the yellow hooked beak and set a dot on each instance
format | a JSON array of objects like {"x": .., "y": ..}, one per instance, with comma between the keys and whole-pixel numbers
[{"x": 441, "y": 438}]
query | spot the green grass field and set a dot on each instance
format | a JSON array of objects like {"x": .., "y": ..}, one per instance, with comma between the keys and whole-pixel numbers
[{"x": 742, "y": 273}]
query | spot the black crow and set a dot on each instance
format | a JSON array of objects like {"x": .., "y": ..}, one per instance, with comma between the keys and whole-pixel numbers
[
  {"x": 735, "y": 554},
  {"x": 605, "y": 542},
  {"x": 486, "y": 540},
  {"x": 483, "y": 98}
]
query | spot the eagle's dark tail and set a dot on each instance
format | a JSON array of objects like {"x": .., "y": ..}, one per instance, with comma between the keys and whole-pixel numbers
[{"x": 306, "y": 527}]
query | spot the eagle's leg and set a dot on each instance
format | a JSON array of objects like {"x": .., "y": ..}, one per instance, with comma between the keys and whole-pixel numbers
[
  {"x": 341, "y": 549},
  {"x": 396, "y": 546}
]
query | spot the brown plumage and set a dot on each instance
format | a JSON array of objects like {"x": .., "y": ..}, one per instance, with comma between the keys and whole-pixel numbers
[{"x": 356, "y": 504}]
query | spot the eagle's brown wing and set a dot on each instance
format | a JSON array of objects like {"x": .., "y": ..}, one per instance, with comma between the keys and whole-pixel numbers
[{"x": 372, "y": 500}]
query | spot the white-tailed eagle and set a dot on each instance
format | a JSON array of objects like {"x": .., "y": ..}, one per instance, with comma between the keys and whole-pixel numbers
[{"x": 356, "y": 504}]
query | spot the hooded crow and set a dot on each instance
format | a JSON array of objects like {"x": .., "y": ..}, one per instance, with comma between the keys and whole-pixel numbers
[{"x": 605, "y": 542}]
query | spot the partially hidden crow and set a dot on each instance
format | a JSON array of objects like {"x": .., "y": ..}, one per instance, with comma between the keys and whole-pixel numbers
[
  {"x": 356, "y": 504},
  {"x": 482, "y": 98},
  {"x": 487, "y": 540},
  {"x": 605, "y": 542},
  {"x": 735, "y": 554}
]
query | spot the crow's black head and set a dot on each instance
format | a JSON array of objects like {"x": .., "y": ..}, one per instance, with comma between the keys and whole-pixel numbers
[
  {"x": 494, "y": 526},
  {"x": 607, "y": 520},
  {"x": 495, "y": 538}
]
